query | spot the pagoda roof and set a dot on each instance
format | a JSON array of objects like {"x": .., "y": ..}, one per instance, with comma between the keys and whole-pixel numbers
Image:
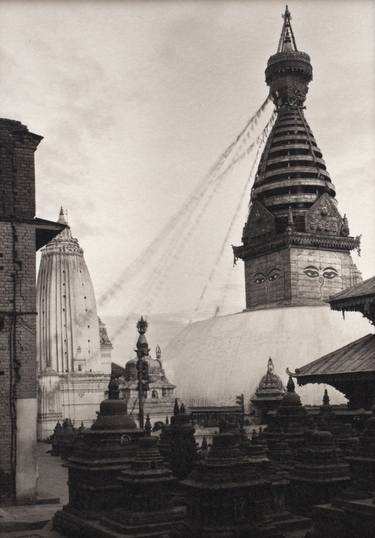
[
  {"x": 354, "y": 359},
  {"x": 354, "y": 296},
  {"x": 359, "y": 298}
]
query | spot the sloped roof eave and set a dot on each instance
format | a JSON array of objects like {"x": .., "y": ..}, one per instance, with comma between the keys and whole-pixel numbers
[{"x": 355, "y": 358}]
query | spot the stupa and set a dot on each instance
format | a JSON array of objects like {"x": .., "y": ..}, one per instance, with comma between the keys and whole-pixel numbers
[
  {"x": 268, "y": 394},
  {"x": 296, "y": 247},
  {"x": 226, "y": 496},
  {"x": 97, "y": 457},
  {"x": 73, "y": 348},
  {"x": 159, "y": 394},
  {"x": 319, "y": 474}
]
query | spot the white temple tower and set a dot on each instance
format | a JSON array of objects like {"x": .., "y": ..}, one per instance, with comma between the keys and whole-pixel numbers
[
  {"x": 68, "y": 327},
  {"x": 73, "y": 372}
]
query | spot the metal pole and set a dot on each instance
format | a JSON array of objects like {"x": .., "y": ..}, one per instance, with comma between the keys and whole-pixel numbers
[{"x": 140, "y": 390}]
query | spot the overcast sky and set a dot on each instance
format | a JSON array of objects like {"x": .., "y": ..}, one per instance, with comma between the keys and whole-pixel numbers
[{"x": 136, "y": 100}]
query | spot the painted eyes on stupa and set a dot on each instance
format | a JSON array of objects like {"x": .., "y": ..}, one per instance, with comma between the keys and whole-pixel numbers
[
  {"x": 330, "y": 273},
  {"x": 313, "y": 272},
  {"x": 260, "y": 278}
]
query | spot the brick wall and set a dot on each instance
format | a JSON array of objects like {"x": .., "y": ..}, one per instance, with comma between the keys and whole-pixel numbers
[
  {"x": 298, "y": 276},
  {"x": 267, "y": 279},
  {"x": 17, "y": 283}
]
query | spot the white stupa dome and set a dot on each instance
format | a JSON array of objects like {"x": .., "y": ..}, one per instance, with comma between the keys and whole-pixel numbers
[{"x": 214, "y": 360}]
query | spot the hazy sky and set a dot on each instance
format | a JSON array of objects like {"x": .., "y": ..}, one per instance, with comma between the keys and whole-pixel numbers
[{"x": 137, "y": 99}]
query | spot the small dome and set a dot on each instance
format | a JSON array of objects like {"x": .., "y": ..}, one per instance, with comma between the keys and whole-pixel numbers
[
  {"x": 155, "y": 369},
  {"x": 270, "y": 381},
  {"x": 291, "y": 398}
]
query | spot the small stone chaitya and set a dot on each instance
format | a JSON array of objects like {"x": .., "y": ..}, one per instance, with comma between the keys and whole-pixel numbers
[
  {"x": 98, "y": 455},
  {"x": 268, "y": 394},
  {"x": 146, "y": 508},
  {"x": 226, "y": 496}
]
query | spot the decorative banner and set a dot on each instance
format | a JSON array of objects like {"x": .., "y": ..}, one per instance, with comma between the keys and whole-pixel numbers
[
  {"x": 157, "y": 279},
  {"x": 171, "y": 240}
]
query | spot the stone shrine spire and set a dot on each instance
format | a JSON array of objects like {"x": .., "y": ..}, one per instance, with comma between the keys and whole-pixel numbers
[
  {"x": 296, "y": 245},
  {"x": 68, "y": 327}
]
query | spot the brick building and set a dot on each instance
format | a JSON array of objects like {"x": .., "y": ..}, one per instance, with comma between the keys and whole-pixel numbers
[{"x": 21, "y": 234}]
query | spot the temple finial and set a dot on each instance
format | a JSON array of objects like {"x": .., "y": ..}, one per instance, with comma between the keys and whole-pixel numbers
[
  {"x": 290, "y": 386},
  {"x": 287, "y": 41},
  {"x": 113, "y": 388},
  {"x": 148, "y": 427},
  {"x": 158, "y": 353},
  {"x": 142, "y": 344},
  {"x": 62, "y": 217},
  {"x": 176, "y": 409},
  {"x": 142, "y": 325},
  {"x": 325, "y": 397},
  {"x": 270, "y": 367}
]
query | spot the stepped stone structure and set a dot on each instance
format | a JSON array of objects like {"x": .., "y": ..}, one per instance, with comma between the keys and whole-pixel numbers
[
  {"x": 352, "y": 513},
  {"x": 226, "y": 496},
  {"x": 97, "y": 457},
  {"x": 268, "y": 394},
  {"x": 319, "y": 474},
  {"x": 146, "y": 508},
  {"x": 344, "y": 435},
  {"x": 177, "y": 443},
  {"x": 21, "y": 234},
  {"x": 297, "y": 252},
  {"x": 74, "y": 350},
  {"x": 289, "y": 425}
]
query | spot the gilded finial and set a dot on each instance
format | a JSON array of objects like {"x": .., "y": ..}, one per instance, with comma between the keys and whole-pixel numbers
[
  {"x": 142, "y": 326},
  {"x": 325, "y": 397},
  {"x": 270, "y": 366},
  {"x": 158, "y": 353},
  {"x": 113, "y": 389},
  {"x": 287, "y": 41},
  {"x": 286, "y": 15},
  {"x": 62, "y": 217},
  {"x": 290, "y": 386},
  {"x": 142, "y": 344},
  {"x": 148, "y": 426}
]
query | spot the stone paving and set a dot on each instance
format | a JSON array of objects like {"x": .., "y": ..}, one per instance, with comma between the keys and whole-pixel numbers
[{"x": 33, "y": 521}]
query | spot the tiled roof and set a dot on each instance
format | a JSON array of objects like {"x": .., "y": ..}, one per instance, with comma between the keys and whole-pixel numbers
[
  {"x": 356, "y": 357},
  {"x": 364, "y": 289}
]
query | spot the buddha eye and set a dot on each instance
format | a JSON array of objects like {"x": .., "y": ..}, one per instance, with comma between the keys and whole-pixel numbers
[
  {"x": 329, "y": 273},
  {"x": 259, "y": 279},
  {"x": 311, "y": 272},
  {"x": 274, "y": 276}
]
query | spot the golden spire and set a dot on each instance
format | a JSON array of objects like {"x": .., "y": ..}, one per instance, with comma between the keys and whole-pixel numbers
[{"x": 287, "y": 41}]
